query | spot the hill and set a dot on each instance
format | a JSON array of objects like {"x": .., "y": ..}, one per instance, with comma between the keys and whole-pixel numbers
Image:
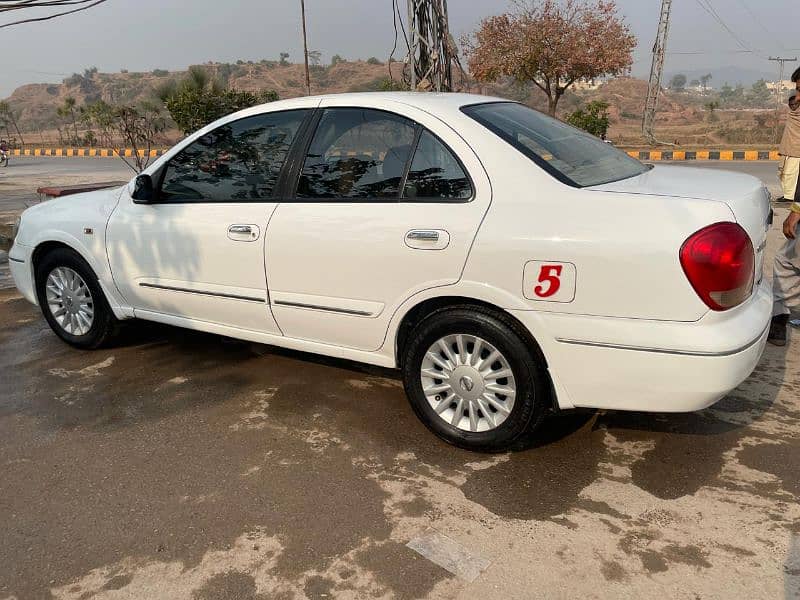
[
  {"x": 36, "y": 104},
  {"x": 685, "y": 118}
]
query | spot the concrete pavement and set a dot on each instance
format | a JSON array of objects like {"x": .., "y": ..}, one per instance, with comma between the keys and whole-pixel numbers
[{"x": 185, "y": 465}]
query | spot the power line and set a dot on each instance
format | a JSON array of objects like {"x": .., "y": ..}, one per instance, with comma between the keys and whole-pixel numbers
[
  {"x": 698, "y": 52},
  {"x": 758, "y": 22},
  {"x": 779, "y": 87},
  {"x": 32, "y": 3},
  {"x": 709, "y": 8}
]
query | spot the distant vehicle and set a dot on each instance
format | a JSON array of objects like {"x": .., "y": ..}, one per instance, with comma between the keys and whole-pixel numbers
[{"x": 509, "y": 264}]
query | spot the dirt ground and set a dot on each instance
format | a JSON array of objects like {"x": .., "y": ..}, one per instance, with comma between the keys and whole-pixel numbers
[{"x": 180, "y": 465}]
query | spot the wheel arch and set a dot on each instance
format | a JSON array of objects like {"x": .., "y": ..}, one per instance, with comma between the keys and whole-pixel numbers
[
  {"x": 47, "y": 246},
  {"x": 118, "y": 306},
  {"x": 422, "y": 309}
]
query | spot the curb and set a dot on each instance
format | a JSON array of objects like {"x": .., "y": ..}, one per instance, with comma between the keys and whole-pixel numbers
[
  {"x": 86, "y": 152},
  {"x": 705, "y": 154},
  {"x": 677, "y": 155}
]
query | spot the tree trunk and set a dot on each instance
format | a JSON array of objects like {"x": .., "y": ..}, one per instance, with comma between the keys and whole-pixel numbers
[
  {"x": 74, "y": 126},
  {"x": 19, "y": 133},
  {"x": 552, "y": 104}
]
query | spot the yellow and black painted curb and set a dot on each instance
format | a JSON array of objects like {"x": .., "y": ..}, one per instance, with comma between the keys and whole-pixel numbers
[
  {"x": 680, "y": 155},
  {"x": 654, "y": 155},
  {"x": 87, "y": 152}
]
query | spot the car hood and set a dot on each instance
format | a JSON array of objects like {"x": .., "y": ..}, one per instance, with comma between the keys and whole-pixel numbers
[
  {"x": 68, "y": 214},
  {"x": 75, "y": 202}
]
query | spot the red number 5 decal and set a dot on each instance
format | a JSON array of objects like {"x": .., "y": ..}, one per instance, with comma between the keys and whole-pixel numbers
[{"x": 551, "y": 275}]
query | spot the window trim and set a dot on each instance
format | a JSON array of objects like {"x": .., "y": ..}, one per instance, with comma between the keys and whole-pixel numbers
[
  {"x": 279, "y": 191},
  {"x": 302, "y": 153}
]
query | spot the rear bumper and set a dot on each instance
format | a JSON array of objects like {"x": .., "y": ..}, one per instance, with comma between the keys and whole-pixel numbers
[
  {"x": 654, "y": 366},
  {"x": 20, "y": 264}
]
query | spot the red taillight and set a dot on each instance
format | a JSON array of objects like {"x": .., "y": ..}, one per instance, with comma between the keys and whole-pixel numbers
[{"x": 720, "y": 264}]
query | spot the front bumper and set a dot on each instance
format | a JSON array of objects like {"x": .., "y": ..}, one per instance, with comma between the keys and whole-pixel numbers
[
  {"x": 21, "y": 265},
  {"x": 653, "y": 366}
]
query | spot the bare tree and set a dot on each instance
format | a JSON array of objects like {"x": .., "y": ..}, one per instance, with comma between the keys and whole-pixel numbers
[
  {"x": 138, "y": 127},
  {"x": 12, "y": 5},
  {"x": 7, "y": 114}
]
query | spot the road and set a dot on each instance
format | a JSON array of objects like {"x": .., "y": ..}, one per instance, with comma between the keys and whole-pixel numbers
[
  {"x": 18, "y": 181},
  {"x": 184, "y": 465}
]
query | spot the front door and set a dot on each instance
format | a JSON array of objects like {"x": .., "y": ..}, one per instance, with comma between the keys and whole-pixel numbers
[
  {"x": 387, "y": 204},
  {"x": 197, "y": 251}
]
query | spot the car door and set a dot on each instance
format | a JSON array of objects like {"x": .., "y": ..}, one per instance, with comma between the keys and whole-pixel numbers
[
  {"x": 387, "y": 204},
  {"x": 197, "y": 251}
]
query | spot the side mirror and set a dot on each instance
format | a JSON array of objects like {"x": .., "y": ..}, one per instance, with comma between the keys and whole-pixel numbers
[{"x": 143, "y": 190}]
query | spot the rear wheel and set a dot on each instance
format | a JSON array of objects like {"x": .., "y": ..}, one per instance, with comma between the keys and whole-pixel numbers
[
  {"x": 473, "y": 380},
  {"x": 72, "y": 301}
]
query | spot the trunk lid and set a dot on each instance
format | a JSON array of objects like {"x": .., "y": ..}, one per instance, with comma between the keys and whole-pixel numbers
[{"x": 745, "y": 195}]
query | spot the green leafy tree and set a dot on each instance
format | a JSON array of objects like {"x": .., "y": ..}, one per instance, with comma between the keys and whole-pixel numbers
[
  {"x": 314, "y": 58},
  {"x": 100, "y": 116},
  {"x": 592, "y": 118},
  {"x": 731, "y": 95},
  {"x": 387, "y": 84},
  {"x": 712, "y": 107},
  {"x": 67, "y": 110},
  {"x": 678, "y": 82},
  {"x": 199, "y": 100},
  {"x": 336, "y": 59},
  {"x": 284, "y": 56},
  {"x": 759, "y": 93},
  {"x": 373, "y": 61},
  {"x": 704, "y": 81}
]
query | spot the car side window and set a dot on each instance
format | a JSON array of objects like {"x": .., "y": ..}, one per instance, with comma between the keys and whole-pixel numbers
[
  {"x": 357, "y": 153},
  {"x": 236, "y": 162},
  {"x": 435, "y": 173}
]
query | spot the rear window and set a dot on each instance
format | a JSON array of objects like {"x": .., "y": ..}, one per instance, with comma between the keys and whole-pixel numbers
[{"x": 567, "y": 153}]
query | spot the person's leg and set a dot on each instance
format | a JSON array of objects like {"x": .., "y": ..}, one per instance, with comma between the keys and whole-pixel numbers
[
  {"x": 786, "y": 271},
  {"x": 788, "y": 171}
]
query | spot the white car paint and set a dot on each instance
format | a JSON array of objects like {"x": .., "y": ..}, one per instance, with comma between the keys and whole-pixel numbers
[{"x": 337, "y": 278}]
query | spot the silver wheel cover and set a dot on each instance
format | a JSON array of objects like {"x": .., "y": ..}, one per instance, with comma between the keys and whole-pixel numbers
[
  {"x": 468, "y": 382},
  {"x": 70, "y": 301}
]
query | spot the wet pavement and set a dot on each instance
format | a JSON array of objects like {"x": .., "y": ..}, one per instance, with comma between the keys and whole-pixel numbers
[{"x": 184, "y": 465}]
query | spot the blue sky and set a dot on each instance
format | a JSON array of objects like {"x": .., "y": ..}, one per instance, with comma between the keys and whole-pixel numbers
[{"x": 170, "y": 34}]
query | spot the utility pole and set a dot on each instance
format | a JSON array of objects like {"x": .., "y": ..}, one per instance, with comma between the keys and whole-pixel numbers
[
  {"x": 431, "y": 49},
  {"x": 305, "y": 46},
  {"x": 656, "y": 72},
  {"x": 779, "y": 88}
]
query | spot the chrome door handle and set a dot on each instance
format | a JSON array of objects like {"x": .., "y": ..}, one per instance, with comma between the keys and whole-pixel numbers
[
  {"x": 244, "y": 233},
  {"x": 423, "y": 235}
]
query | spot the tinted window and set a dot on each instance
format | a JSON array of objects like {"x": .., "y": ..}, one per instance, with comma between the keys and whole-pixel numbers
[
  {"x": 568, "y": 153},
  {"x": 357, "y": 153},
  {"x": 435, "y": 173},
  {"x": 236, "y": 162}
]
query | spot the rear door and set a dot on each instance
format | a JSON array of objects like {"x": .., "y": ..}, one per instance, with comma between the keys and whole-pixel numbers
[
  {"x": 197, "y": 252},
  {"x": 387, "y": 204}
]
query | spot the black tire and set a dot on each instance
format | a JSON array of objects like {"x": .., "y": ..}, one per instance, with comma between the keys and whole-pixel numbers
[
  {"x": 532, "y": 400},
  {"x": 104, "y": 326}
]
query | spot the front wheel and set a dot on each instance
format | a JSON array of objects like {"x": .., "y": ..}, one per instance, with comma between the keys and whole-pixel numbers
[
  {"x": 72, "y": 301},
  {"x": 473, "y": 380}
]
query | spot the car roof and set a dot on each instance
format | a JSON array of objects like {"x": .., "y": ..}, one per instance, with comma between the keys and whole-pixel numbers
[{"x": 429, "y": 101}]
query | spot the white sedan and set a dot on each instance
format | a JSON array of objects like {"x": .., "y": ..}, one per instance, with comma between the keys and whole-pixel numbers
[{"x": 508, "y": 264}]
